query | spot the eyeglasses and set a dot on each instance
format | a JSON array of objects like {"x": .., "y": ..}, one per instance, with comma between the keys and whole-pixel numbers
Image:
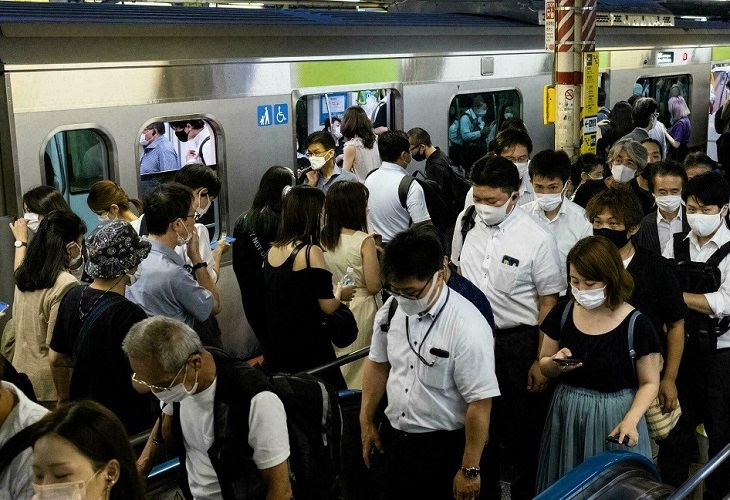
[
  {"x": 407, "y": 296},
  {"x": 519, "y": 159},
  {"x": 416, "y": 148},
  {"x": 157, "y": 388},
  {"x": 309, "y": 154},
  {"x": 184, "y": 217}
]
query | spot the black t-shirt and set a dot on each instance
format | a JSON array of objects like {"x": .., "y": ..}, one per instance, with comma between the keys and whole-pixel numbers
[
  {"x": 607, "y": 365},
  {"x": 645, "y": 197},
  {"x": 588, "y": 190},
  {"x": 657, "y": 292},
  {"x": 297, "y": 341},
  {"x": 102, "y": 371}
]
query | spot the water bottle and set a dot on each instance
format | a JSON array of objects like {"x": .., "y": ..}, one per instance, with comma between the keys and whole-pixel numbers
[{"x": 347, "y": 280}]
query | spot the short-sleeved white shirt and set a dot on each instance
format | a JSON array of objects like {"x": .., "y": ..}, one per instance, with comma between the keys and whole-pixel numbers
[
  {"x": 568, "y": 226},
  {"x": 719, "y": 301},
  {"x": 267, "y": 436},
  {"x": 387, "y": 216},
  {"x": 423, "y": 398},
  {"x": 513, "y": 263},
  {"x": 206, "y": 254}
]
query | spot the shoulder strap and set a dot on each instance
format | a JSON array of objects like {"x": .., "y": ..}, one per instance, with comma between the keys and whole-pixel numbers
[
  {"x": 467, "y": 222},
  {"x": 632, "y": 353},
  {"x": 403, "y": 187},
  {"x": 371, "y": 172},
  {"x": 200, "y": 150},
  {"x": 681, "y": 247},
  {"x": 392, "y": 308},
  {"x": 143, "y": 231},
  {"x": 719, "y": 254},
  {"x": 566, "y": 312},
  {"x": 15, "y": 446},
  {"x": 93, "y": 316}
]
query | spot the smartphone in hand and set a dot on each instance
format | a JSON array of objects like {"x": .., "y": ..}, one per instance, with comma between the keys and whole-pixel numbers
[
  {"x": 614, "y": 439},
  {"x": 229, "y": 240},
  {"x": 3, "y": 306},
  {"x": 567, "y": 361}
]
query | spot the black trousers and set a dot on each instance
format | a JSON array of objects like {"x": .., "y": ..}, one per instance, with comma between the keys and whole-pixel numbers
[
  {"x": 717, "y": 423},
  {"x": 420, "y": 465},
  {"x": 518, "y": 416}
]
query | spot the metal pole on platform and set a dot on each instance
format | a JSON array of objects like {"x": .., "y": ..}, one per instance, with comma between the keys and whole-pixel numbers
[{"x": 566, "y": 84}]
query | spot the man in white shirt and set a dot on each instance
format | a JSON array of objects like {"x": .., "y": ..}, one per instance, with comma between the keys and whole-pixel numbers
[
  {"x": 516, "y": 146},
  {"x": 549, "y": 173},
  {"x": 706, "y": 358},
  {"x": 666, "y": 181},
  {"x": 515, "y": 261},
  {"x": 249, "y": 422},
  {"x": 435, "y": 358},
  {"x": 388, "y": 216},
  {"x": 204, "y": 143},
  {"x": 17, "y": 413}
]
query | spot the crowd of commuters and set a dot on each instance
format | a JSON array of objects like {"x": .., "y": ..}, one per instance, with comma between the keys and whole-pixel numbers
[{"x": 548, "y": 317}]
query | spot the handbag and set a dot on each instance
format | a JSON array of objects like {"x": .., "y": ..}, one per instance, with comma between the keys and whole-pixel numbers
[
  {"x": 340, "y": 326},
  {"x": 660, "y": 424}
]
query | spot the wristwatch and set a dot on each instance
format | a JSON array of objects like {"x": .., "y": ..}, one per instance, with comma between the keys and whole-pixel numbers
[
  {"x": 471, "y": 472},
  {"x": 199, "y": 265},
  {"x": 19, "y": 244}
]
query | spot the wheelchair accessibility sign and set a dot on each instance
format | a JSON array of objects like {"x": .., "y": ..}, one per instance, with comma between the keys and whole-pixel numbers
[{"x": 278, "y": 114}]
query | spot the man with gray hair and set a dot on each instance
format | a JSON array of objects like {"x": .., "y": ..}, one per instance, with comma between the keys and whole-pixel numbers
[{"x": 233, "y": 427}]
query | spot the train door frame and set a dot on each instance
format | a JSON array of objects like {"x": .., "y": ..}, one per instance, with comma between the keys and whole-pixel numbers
[
  {"x": 220, "y": 204},
  {"x": 111, "y": 168}
]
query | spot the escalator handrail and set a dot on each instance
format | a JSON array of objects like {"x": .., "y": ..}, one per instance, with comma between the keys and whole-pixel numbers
[{"x": 701, "y": 474}]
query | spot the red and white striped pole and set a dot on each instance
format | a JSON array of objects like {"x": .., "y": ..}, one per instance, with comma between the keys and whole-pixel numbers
[{"x": 568, "y": 76}]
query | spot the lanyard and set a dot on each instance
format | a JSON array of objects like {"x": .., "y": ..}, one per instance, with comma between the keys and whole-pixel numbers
[{"x": 423, "y": 341}]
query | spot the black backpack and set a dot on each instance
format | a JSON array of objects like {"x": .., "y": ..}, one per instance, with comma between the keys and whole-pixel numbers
[
  {"x": 438, "y": 209},
  {"x": 314, "y": 424},
  {"x": 700, "y": 277}
]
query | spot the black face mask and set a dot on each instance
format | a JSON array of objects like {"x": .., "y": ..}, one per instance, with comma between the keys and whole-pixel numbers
[
  {"x": 181, "y": 135},
  {"x": 419, "y": 157},
  {"x": 618, "y": 238}
]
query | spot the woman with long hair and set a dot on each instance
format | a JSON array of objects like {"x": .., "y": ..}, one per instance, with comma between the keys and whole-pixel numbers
[
  {"x": 81, "y": 450},
  {"x": 108, "y": 200},
  {"x": 605, "y": 356},
  {"x": 41, "y": 281},
  {"x": 678, "y": 135},
  {"x": 37, "y": 203},
  {"x": 349, "y": 246},
  {"x": 621, "y": 123},
  {"x": 361, "y": 154},
  {"x": 254, "y": 231},
  {"x": 299, "y": 289}
]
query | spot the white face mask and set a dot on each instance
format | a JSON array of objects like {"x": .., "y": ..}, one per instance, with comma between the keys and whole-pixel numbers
[
  {"x": 599, "y": 178},
  {"x": 622, "y": 173},
  {"x": 481, "y": 113},
  {"x": 413, "y": 307},
  {"x": 199, "y": 210},
  {"x": 104, "y": 217},
  {"x": 32, "y": 220},
  {"x": 74, "y": 260},
  {"x": 523, "y": 168},
  {"x": 669, "y": 203},
  {"x": 549, "y": 202},
  {"x": 317, "y": 162},
  {"x": 178, "y": 392},
  {"x": 143, "y": 141},
  {"x": 704, "y": 225},
  {"x": 75, "y": 490},
  {"x": 184, "y": 241},
  {"x": 337, "y": 132},
  {"x": 507, "y": 116},
  {"x": 589, "y": 299},
  {"x": 490, "y": 215}
]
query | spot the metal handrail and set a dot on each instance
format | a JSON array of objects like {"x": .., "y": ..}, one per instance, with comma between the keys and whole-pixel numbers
[
  {"x": 141, "y": 438},
  {"x": 701, "y": 474}
]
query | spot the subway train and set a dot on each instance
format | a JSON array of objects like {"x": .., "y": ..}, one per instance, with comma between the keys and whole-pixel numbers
[{"x": 82, "y": 81}]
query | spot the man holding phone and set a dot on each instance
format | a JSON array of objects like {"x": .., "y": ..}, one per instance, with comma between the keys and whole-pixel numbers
[{"x": 433, "y": 353}]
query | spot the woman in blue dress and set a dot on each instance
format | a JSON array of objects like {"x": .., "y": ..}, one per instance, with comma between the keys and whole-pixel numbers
[{"x": 603, "y": 389}]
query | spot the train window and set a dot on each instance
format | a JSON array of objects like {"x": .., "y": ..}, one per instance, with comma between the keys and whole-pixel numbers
[
  {"x": 662, "y": 88},
  {"x": 313, "y": 112},
  {"x": 166, "y": 146},
  {"x": 475, "y": 119},
  {"x": 74, "y": 160}
]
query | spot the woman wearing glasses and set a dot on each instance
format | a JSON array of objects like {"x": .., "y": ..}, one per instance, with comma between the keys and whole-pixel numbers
[
  {"x": 299, "y": 289},
  {"x": 603, "y": 389}
]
